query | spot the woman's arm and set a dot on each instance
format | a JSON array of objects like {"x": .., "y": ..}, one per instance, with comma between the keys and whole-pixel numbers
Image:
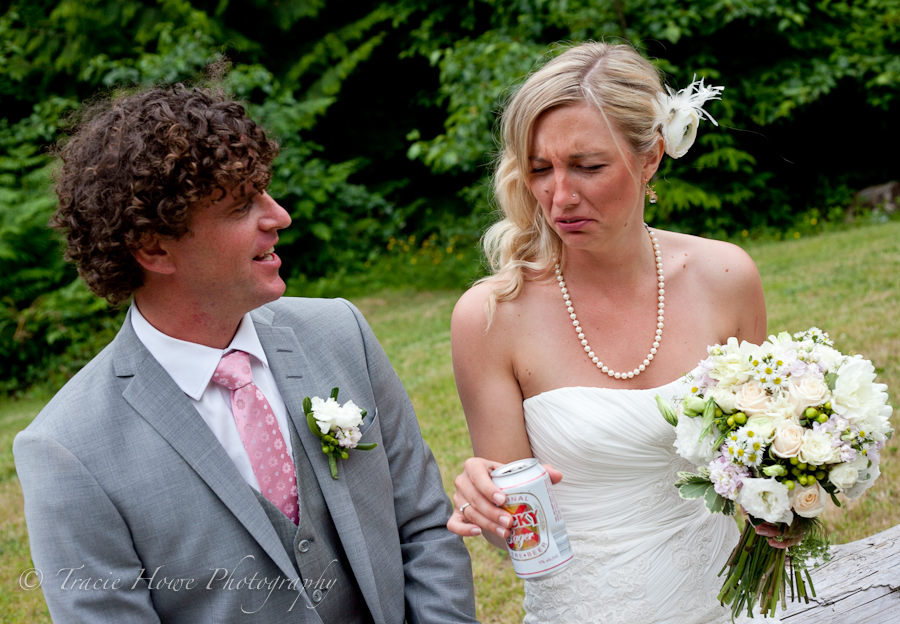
[{"x": 492, "y": 401}]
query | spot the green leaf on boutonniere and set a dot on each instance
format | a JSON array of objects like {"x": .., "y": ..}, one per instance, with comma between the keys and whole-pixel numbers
[
  {"x": 366, "y": 447},
  {"x": 310, "y": 418}
]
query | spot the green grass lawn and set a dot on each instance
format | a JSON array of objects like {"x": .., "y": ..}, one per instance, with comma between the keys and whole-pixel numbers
[{"x": 845, "y": 283}]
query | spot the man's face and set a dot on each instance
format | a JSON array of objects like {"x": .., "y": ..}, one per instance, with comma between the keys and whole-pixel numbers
[{"x": 226, "y": 265}]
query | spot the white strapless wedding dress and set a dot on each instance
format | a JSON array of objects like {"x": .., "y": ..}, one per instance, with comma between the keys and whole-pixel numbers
[{"x": 643, "y": 555}]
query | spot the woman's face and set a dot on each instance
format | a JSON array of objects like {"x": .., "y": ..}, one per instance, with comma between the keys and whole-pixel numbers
[{"x": 582, "y": 181}]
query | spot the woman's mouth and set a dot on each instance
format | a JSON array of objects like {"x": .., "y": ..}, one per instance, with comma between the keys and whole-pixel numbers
[{"x": 572, "y": 225}]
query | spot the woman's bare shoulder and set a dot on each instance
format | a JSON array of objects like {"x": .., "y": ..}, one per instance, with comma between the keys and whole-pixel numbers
[
  {"x": 471, "y": 310},
  {"x": 716, "y": 263},
  {"x": 724, "y": 275}
]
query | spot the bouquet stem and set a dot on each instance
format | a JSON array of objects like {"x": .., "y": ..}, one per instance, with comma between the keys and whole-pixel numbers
[{"x": 757, "y": 574}]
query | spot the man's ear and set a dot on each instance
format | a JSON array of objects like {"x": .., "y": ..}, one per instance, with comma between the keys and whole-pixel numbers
[{"x": 153, "y": 256}]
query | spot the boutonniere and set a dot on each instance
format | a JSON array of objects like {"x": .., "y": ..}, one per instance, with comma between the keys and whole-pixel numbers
[{"x": 336, "y": 425}]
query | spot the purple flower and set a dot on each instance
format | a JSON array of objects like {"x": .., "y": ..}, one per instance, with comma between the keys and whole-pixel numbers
[{"x": 726, "y": 477}]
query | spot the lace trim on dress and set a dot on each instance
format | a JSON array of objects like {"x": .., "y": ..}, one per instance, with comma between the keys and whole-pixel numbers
[{"x": 581, "y": 594}]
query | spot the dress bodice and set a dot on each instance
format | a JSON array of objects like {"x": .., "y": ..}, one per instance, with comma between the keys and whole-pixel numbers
[
  {"x": 643, "y": 555},
  {"x": 613, "y": 447}
]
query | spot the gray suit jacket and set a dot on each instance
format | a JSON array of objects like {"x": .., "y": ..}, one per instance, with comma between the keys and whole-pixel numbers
[{"x": 135, "y": 512}]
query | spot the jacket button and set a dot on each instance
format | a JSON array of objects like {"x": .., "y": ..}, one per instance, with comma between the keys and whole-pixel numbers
[
  {"x": 318, "y": 595},
  {"x": 303, "y": 546}
]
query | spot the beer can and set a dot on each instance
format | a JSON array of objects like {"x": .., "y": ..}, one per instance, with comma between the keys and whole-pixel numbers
[{"x": 537, "y": 542}]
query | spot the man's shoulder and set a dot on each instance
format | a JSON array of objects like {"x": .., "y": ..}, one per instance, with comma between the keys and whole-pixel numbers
[
  {"x": 86, "y": 393},
  {"x": 319, "y": 313}
]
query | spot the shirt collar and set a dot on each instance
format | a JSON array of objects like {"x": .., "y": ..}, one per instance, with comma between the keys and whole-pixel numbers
[{"x": 189, "y": 364}]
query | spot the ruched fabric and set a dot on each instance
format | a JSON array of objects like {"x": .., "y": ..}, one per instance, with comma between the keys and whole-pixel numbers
[{"x": 643, "y": 555}]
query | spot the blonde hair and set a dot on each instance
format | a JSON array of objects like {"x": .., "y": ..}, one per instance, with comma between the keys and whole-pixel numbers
[{"x": 622, "y": 85}]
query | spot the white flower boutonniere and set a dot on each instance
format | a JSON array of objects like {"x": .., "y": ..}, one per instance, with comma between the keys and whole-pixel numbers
[
  {"x": 336, "y": 425},
  {"x": 679, "y": 113}
]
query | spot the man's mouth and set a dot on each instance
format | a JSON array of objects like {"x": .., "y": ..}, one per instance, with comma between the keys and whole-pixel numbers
[{"x": 268, "y": 254}]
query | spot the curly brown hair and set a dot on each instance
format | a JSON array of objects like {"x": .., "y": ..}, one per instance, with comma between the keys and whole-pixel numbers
[{"x": 140, "y": 164}]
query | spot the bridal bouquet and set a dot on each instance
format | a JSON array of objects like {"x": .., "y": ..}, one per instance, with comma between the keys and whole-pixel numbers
[{"x": 778, "y": 428}]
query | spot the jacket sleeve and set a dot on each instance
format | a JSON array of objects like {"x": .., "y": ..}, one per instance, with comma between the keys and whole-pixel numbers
[
  {"x": 80, "y": 545},
  {"x": 436, "y": 565}
]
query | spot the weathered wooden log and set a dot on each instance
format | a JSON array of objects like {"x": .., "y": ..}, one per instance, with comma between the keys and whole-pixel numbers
[
  {"x": 884, "y": 196},
  {"x": 859, "y": 585}
]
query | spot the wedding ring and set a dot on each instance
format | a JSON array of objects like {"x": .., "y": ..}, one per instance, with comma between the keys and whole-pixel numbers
[{"x": 462, "y": 508}]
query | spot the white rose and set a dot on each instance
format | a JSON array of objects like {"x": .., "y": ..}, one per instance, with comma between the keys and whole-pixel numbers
[
  {"x": 329, "y": 414},
  {"x": 844, "y": 476},
  {"x": 817, "y": 449},
  {"x": 809, "y": 501},
  {"x": 763, "y": 425},
  {"x": 751, "y": 398},
  {"x": 767, "y": 499},
  {"x": 788, "y": 439},
  {"x": 855, "y": 393},
  {"x": 688, "y": 444},
  {"x": 808, "y": 392}
]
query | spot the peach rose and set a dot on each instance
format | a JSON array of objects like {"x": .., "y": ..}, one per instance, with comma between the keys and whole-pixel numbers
[
  {"x": 788, "y": 439},
  {"x": 808, "y": 392},
  {"x": 752, "y": 399},
  {"x": 809, "y": 501}
]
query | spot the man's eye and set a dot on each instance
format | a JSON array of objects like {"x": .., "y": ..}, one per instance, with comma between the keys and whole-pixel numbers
[{"x": 592, "y": 167}]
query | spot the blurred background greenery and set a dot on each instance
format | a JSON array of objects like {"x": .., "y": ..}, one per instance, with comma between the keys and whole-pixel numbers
[{"x": 385, "y": 113}]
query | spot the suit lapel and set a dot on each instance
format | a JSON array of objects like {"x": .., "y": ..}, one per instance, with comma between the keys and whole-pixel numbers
[
  {"x": 297, "y": 378},
  {"x": 156, "y": 397}
]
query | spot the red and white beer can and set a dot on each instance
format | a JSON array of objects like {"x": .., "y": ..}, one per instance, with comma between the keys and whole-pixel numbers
[{"x": 537, "y": 543}]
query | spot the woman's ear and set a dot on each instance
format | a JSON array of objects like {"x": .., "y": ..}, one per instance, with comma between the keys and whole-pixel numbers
[
  {"x": 153, "y": 256},
  {"x": 653, "y": 160}
]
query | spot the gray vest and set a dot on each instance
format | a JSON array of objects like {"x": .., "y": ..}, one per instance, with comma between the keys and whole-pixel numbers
[{"x": 315, "y": 548}]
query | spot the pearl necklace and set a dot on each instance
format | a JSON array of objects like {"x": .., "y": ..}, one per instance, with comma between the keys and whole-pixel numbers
[{"x": 659, "y": 319}]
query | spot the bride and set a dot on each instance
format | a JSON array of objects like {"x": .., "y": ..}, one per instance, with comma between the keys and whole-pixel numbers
[{"x": 589, "y": 315}]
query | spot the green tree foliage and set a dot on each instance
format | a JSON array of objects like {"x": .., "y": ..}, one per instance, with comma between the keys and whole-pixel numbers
[{"x": 386, "y": 116}]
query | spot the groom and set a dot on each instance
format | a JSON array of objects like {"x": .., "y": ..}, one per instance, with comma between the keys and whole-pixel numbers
[{"x": 156, "y": 489}]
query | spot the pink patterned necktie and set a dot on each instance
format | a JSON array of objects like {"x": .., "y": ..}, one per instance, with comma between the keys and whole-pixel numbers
[{"x": 260, "y": 433}]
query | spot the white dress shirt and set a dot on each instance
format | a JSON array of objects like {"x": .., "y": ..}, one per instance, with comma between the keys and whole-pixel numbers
[{"x": 191, "y": 366}]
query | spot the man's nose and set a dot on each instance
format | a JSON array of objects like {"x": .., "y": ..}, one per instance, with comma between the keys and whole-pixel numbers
[{"x": 276, "y": 217}]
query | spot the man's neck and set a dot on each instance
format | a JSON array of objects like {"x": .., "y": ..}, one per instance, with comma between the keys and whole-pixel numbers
[{"x": 188, "y": 323}]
